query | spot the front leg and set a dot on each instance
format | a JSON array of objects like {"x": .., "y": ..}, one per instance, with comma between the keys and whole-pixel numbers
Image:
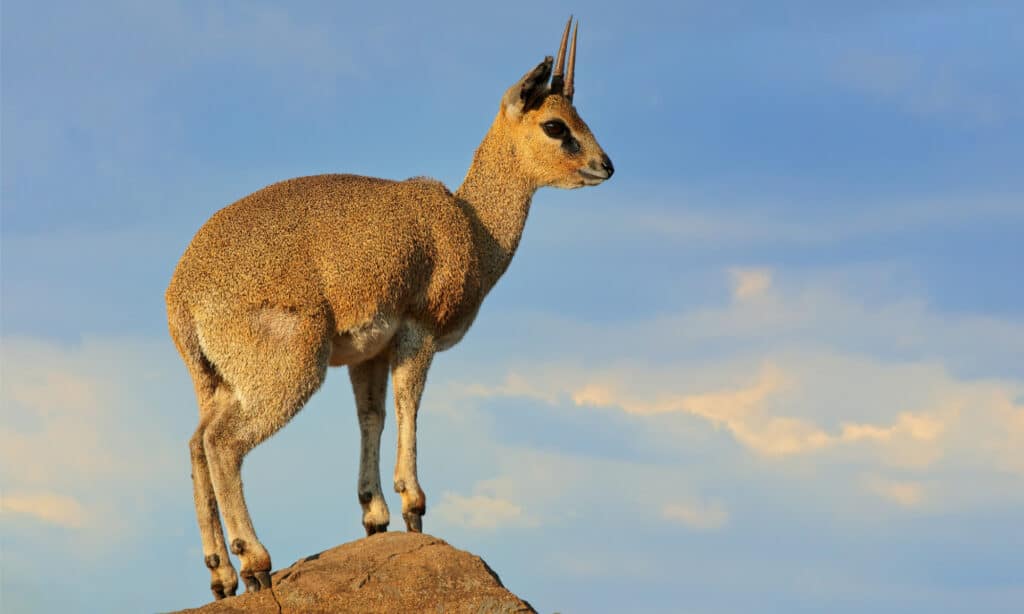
[{"x": 410, "y": 360}]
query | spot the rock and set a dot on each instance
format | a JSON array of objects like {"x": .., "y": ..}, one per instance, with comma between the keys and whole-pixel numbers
[{"x": 388, "y": 572}]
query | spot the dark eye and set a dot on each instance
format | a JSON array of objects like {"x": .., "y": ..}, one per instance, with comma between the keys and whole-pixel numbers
[{"x": 555, "y": 128}]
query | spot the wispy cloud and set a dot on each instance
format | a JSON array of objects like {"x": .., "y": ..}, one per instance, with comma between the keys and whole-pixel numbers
[
  {"x": 748, "y": 283},
  {"x": 481, "y": 511},
  {"x": 696, "y": 514},
  {"x": 735, "y": 218},
  {"x": 51, "y": 508},
  {"x": 79, "y": 436},
  {"x": 748, "y": 412},
  {"x": 927, "y": 87},
  {"x": 794, "y": 380},
  {"x": 903, "y": 493}
]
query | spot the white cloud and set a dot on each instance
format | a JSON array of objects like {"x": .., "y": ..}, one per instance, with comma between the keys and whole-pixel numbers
[
  {"x": 46, "y": 507},
  {"x": 749, "y": 283},
  {"x": 920, "y": 85},
  {"x": 801, "y": 376},
  {"x": 698, "y": 515},
  {"x": 694, "y": 220},
  {"x": 903, "y": 493},
  {"x": 481, "y": 512},
  {"x": 51, "y": 508},
  {"x": 597, "y": 563},
  {"x": 754, "y": 408},
  {"x": 491, "y": 506},
  {"x": 82, "y": 434}
]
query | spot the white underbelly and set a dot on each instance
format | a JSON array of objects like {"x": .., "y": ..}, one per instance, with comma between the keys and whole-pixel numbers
[{"x": 362, "y": 342}]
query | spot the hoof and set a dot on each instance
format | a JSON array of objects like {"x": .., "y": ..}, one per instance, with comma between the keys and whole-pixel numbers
[
  {"x": 251, "y": 585},
  {"x": 256, "y": 580},
  {"x": 223, "y": 581},
  {"x": 263, "y": 577},
  {"x": 219, "y": 592},
  {"x": 375, "y": 528},
  {"x": 413, "y": 522}
]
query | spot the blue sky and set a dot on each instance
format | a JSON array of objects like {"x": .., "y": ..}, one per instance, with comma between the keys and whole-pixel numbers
[{"x": 775, "y": 364}]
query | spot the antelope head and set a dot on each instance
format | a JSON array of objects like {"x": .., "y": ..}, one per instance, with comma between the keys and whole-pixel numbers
[{"x": 551, "y": 142}]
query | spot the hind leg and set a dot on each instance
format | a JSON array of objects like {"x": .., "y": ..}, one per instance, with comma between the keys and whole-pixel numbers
[
  {"x": 369, "y": 383},
  {"x": 211, "y": 393},
  {"x": 271, "y": 384},
  {"x": 223, "y": 579}
]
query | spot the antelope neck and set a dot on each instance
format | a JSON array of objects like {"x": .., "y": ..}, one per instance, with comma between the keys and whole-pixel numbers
[{"x": 497, "y": 194}]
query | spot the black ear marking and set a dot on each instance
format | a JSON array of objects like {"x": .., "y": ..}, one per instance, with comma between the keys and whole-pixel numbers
[
  {"x": 534, "y": 84},
  {"x": 529, "y": 90}
]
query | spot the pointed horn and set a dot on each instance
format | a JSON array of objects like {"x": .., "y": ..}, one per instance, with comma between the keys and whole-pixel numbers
[
  {"x": 569, "y": 89},
  {"x": 557, "y": 77}
]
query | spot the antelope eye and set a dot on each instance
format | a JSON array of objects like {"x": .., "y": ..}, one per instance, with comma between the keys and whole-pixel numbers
[{"x": 555, "y": 129}]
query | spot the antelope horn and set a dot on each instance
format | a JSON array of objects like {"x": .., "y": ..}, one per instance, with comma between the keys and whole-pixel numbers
[
  {"x": 557, "y": 77},
  {"x": 569, "y": 89}
]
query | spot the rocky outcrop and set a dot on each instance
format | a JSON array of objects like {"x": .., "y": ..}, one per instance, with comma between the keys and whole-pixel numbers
[{"x": 388, "y": 572}]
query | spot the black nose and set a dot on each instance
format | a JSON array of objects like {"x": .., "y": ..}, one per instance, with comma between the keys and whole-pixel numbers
[{"x": 606, "y": 163}]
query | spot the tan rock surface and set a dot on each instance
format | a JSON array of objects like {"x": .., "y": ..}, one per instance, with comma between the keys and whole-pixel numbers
[{"x": 388, "y": 572}]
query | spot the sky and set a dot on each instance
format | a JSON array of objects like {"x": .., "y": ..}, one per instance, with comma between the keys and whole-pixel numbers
[{"x": 775, "y": 364}]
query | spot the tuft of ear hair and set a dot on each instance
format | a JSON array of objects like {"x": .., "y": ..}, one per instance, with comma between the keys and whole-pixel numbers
[{"x": 529, "y": 91}]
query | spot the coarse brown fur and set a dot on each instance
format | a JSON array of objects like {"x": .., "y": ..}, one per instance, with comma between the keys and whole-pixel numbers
[{"x": 346, "y": 270}]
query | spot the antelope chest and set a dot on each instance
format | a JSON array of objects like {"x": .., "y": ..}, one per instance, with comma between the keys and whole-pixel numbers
[
  {"x": 452, "y": 337},
  {"x": 456, "y": 329}
]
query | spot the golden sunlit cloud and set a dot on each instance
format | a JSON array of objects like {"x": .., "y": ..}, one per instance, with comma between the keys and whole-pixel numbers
[
  {"x": 903, "y": 493},
  {"x": 47, "y": 507},
  {"x": 748, "y": 283},
  {"x": 481, "y": 511},
  {"x": 699, "y": 515}
]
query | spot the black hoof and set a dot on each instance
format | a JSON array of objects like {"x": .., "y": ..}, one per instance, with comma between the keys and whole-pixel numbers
[
  {"x": 219, "y": 592},
  {"x": 263, "y": 577},
  {"x": 252, "y": 585},
  {"x": 413, "y": 522},
  {"x": 375, "y": 528}
]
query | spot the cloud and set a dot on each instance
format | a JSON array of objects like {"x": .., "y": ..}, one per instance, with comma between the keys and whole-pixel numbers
[
  {"x": 749, "y": 411},
  {"x": 491, "y": 506},
  {"x": 50, "y": 508},
  {"x": 724, "y": 407},
  {"x": 903, "y": 493},
  {"x": 698, "y": 515},
  {"x": 809, "y": 372},
  {"x": 598, "y": 563},
  {"x": 44, "y": 392},
  {"x": 919, "y": 85},
  {"x": 694, "y": 220},
  {"x": 84, "y": 434},
  {"x": 481, "y": 512},
  {"x": 749, "y": 283}
]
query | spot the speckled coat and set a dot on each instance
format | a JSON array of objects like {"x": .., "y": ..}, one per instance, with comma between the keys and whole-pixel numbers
[{"x": 348, "y": 270}]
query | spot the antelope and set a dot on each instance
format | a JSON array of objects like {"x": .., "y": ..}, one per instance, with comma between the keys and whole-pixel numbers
[{"x": 374, "y": 274}]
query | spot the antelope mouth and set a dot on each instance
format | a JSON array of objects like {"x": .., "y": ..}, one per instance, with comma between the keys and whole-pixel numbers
[{"x": 591, "y": 178}]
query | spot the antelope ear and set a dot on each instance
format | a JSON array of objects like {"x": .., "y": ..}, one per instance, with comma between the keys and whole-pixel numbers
[{"x": 529, "y": 91}]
